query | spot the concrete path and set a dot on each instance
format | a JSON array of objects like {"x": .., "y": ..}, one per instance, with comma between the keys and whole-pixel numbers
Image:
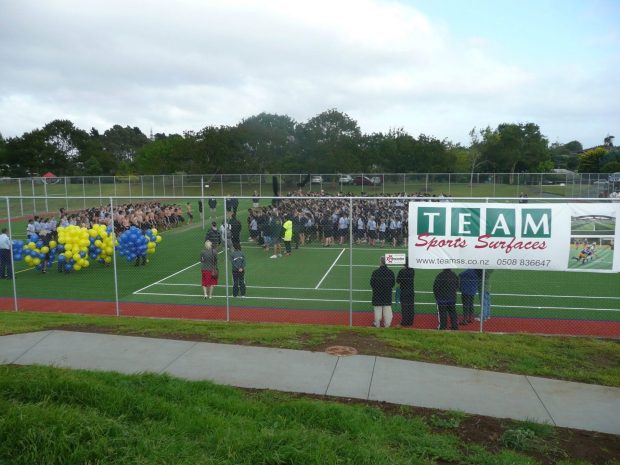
[{"x": 561, "y": 403}]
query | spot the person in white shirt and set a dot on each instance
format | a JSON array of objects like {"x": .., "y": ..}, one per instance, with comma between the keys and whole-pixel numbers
[{"x": 6, "y": 266}]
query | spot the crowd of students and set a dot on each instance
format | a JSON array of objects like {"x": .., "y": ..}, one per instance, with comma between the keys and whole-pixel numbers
[{"x": 143, "y": 215}]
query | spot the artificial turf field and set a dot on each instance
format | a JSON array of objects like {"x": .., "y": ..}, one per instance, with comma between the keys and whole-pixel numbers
[{"x": 313, "y": 285}]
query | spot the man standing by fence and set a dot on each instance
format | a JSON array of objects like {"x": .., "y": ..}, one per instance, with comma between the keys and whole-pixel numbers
[
  {"x": 6, "y": 267},
  {"x": 382, "y": 282},
  {"x": 444, "y": 289},
  {"x": 237, "y": 258}
]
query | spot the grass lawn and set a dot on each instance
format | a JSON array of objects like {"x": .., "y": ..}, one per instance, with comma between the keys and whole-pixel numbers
[
  {"x": 53, "y": 416},
  {"x": 586, "y": 360}
]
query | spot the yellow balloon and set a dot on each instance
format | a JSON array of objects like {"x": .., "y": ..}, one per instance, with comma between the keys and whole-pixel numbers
[
  {"x": 93, "y": 233},
  {"x": 28, "y": 259},
  {"x": 98, "y": 243},
  {"x": 32, "y": 245},
  {"x": 109, "y": 250},
  {"x": 45, "y": 249},
  {"x": 68, "y": 254},
  {"x": 36, "y": 261},
  {"x": 77, "y": 267},
  {"x": 150, "y": 250},
  {"x": 86, "y": 264},
  {"x": 84, "y": 242},
  {"x": 158, "y": 240},
  {"x": 154, "y": 231},
  {"x": 53, "y": 244},
  {"x": 68, "y": 246},
  {"x": 108, "y": 259}
]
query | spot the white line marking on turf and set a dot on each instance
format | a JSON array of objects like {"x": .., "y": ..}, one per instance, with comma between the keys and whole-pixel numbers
[
  {"x": 330, "y": 268},
  {"x": 163, "y": 279},
  {"x": 417, "y": 292},
  {"x": 139, "y": 291},
  {"x": 258, "y": 298},
  {"x": 368, "y": 301}
]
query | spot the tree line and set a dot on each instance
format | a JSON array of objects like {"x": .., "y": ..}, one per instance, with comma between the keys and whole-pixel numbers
[{"x": 330, "y": 142}]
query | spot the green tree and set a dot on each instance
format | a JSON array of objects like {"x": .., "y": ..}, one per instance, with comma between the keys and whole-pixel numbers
[
  {"x": 92, "y": 167},
  {"x": 514, "y": 148},
  {"x": 268, "y": 143},
  {"x": 591, "y": 160},
  {"x": 566, "y": 155},
  {"x": 330, "y": 142},
  {"x": 123, "y": 142}
]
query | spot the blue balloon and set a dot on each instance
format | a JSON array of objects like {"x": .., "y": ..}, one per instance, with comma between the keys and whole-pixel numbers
[
  {"x": 68, "y": 267},
  {"x": 34, "y": 237},
  {"x": 39, "y": 244},
  {"x": 61, "y": 258}
]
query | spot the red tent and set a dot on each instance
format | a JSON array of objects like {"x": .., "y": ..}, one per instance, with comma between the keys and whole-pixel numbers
[{"x": 49, "y": 174}]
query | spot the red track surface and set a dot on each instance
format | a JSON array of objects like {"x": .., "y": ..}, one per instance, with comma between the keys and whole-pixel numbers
[{"x": 607, "y": 329}]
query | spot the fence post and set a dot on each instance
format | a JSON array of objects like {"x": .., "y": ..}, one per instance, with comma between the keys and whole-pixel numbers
[
  {"x": 350, "y": 262},
  {"x": 182, "y": 185},
  {"x": 202, "y": 201},
  {"x": 260, "y": 185},
  {"x": 34, "y": 200},
  {"x": 66, "y": 196},
  {"x": 100, "y": 193},
  {"x": 21, "y": 199},
  {"x": 226, "y": 238},
  {"x": 118, "y": 310},
  {"x": 174, "y": 191},
  {"x": 84, "y": 191},
  {"x": 47, "y": 208},
  {"x": 142, "y": 185},
  {"x": 12, "y": 262}
]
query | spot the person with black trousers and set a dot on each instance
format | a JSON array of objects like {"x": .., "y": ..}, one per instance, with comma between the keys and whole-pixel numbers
[
  {"x": 405, "y": 279},
  {"x": 237, "y": 258},
  {"x": 382, "y": 282},
  {"x": 468, "y": 282},
  {"x": 444, "y": 289},
  {"x": 235, "y": 228}
]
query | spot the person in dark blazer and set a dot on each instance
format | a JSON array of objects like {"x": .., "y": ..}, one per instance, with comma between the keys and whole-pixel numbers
[
  {"x": 382, "y": 282},
  {"x": 405, "y": 279},
  {"x": 445, "y": 288}
]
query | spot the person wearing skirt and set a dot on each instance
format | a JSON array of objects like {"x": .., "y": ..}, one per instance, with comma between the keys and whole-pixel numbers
[{"x": 208, "y": 262}]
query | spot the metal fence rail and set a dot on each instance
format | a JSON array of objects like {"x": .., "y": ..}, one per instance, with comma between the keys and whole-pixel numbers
[
  {"x": 49, "y": 194},
  {"x": 321, "y": 273}
]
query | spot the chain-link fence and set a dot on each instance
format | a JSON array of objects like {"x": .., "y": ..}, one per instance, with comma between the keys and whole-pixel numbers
[
  {"x": 312, "y": 259},
  {"x": 38, "y": 194}
]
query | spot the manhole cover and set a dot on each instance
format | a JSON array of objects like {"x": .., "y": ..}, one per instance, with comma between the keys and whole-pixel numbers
[{"x": 341, "y": 351}]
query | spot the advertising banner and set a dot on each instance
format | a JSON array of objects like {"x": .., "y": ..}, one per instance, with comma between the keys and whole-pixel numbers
[{"x": 561, "y": 237}]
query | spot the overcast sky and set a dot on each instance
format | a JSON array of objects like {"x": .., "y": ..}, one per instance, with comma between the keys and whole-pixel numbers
[{"x": 438, "y": 67}]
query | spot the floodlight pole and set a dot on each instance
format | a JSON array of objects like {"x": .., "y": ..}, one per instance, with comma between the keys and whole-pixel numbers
[
  {"x": 12, "y": 276},
  {"x": 118, "y": 310}
]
